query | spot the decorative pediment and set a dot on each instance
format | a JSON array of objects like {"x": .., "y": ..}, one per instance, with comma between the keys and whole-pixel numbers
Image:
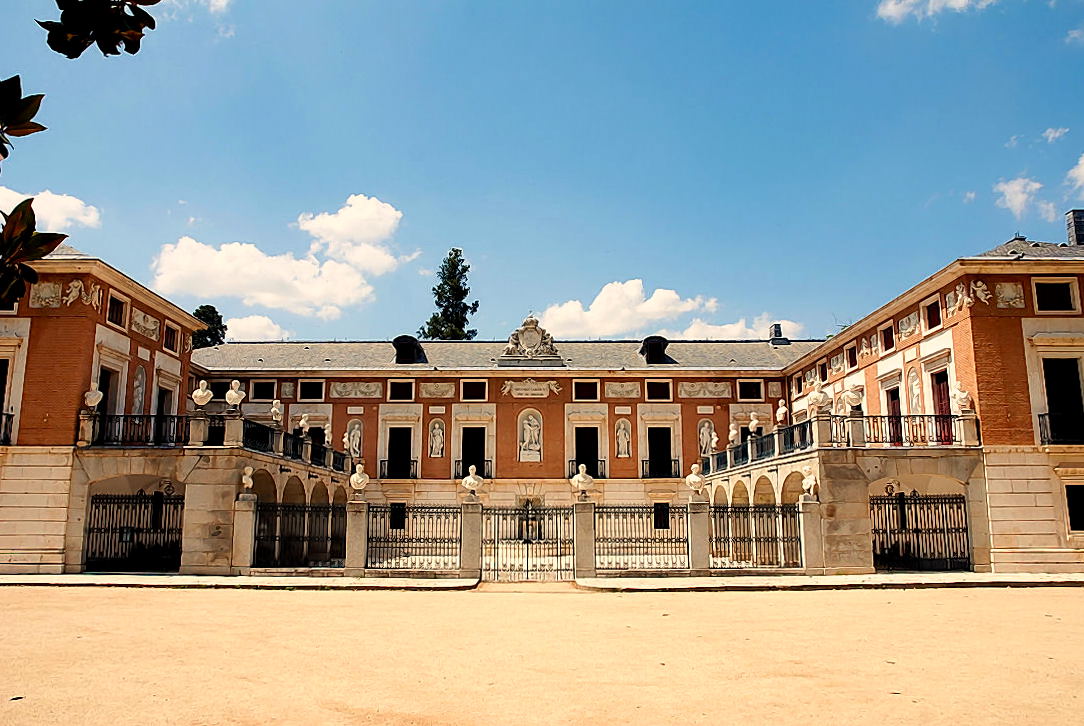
[{"x": 530, "y": 345}]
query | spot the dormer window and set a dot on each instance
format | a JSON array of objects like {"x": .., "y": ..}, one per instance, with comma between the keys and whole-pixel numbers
[
  {"x": 653, "y": 349},
  {"x": 408, "y": 350}
]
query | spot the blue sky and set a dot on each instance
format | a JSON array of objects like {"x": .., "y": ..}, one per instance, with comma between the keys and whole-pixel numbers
[{"x": 701, "y": 168}]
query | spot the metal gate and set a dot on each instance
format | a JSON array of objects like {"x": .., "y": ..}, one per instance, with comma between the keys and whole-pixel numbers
[
  {"x": 527, "y": 543},
  {"x": 920, "y": 532},
  {"x": 134, "y": 532},
  {"x": 300, "y": 535}
]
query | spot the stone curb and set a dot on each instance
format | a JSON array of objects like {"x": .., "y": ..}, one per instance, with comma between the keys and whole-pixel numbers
[
  {"x": 813, "y": 586},
  {"x": 241, "y": 584}
]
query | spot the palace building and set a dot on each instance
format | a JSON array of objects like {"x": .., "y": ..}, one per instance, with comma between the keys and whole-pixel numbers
[{"x": 944, "y": 430}]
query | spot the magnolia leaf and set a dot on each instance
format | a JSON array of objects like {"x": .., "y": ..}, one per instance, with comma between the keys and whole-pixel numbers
[
  {"x": 20, "y": 222},
  {"x": 30, "y": 106},
  {"x": 38, "y": 246},
  {"x": 25, "y": 129}
]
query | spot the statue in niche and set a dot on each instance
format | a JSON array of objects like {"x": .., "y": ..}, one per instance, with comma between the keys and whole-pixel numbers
[
  {"x": 624, "y": 439},
  {"x": 352, "y": 439},
  {"x": 139, "y": 389},
  {"x": 706, "y": 432},
  {"x": 530, "y": 439},
  {"x": 914, "y": 388},
  {"x": 436, "y": 440},
  {"x": 235, "y": 395},
  {"x": 582, "y": 481},
  {"x": 358, "y": 481},
  {"x": 202, "y": 395}
]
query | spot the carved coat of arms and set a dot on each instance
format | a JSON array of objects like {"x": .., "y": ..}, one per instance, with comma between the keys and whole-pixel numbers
[{"x": 530, "y": 341}]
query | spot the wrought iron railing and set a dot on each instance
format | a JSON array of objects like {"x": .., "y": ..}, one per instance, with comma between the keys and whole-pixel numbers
[
  {"x": 292, "y": 445},
  {"x": 413, "y": 537},
  {"x": 920, "y": 532},
  {"x": 485, "y": 468},
  {"x": 595, "y": 467},
  {"x": 216, "y": 430},
  {"x": 739, "y": 454},
  {"x": 134, "y": 532},
  {"x": 339, "y": 461},
  {"x": 795, "y": 437},
  {"x": 398, "y": 468},
  {"x": 140, "y": 430},
  {"x": 919, "y": 430},
  {"x": 763, "y": 446},
  {"x": 300, "y": 535},
  {"x": 638, "y": 537},
  {"x": 257, "y": 436},
  {"x": 1061, "y": 429},
  {"x": 318, "y": 454},
  {"x": 6, "y": 421},
  {"x": 660, "y": 469},
  {"x": 758, "y": 535}
]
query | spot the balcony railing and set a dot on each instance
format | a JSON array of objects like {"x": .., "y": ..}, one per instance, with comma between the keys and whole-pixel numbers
[
  {"x": 339, "y": 461},
  {"x": 398, "y": 468},
  {"x": 795, "y": 437},
  {"x": 923, "y": 430},
  {"x": 660, "y": 469},
  {"x": 141, "y": 430},
  {"x": 1066, "y": 429},
  {"x": 595, "y": 467},
  {"x": 258, "y": 437},
  {"x": 292, "y": 445},
  {"x": 6, "y": 420},
  {"x": 485, "y": 468},
  {"x": 318, "y": 454},
  {"x": 763, "y": 447}
]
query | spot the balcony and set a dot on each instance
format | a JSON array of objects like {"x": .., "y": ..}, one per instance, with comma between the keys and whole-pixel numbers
[
  {"x": 398, "y": 468},
  {"x": 485, "y": 468},
  {"x": 1061, "y": 429},
  {"x": 140, "y": 430},
  {"x": 595, "y": 467},
  {"x": 660, "y": 469},
  {"x": 862, "y": 432}
]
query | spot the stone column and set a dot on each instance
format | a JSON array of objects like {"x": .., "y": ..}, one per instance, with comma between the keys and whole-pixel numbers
[
  {"x": 583, "y": 538},
  {"x": 277, "y": 438},
  {"x": 470, "y": 542},
  {"x": 969, "y": 429},
  {"x": 306, "y": 447},
  {"x": 822, "y": 430},
  {"x": 86, "y": 428},
  {"x": 357, "y": 537},
  {"x": 197, "y": 428},
  {"x": 809, "y": 528},
  {"x": 699, "y": 537},
  {"x": 856, "y": 428},
  {"x": 235, "y": 429},
  {"x": 244, "y": 533}
]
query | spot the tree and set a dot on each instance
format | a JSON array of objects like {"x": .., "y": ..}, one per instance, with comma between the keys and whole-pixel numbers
[
  {"x": 451, "y": 319},
  {"x": 215, "y": 333}
]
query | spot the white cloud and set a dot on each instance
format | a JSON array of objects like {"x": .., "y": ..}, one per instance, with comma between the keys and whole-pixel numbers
[
  {"x": 217, "y": 7},
  {"x": 306, "y": 286},
  {"x": 1017, "y": 195},
  {"x": 1075, "y": 36},
  {"x": 1012, "y": 142},
  {"x": 1047, "y": 210},
  {"x": 255, "y": 327},
  {"x": 355, "y": 233},
  {"x": 896, "y": 11},
  {"x": 619, "y": 307},
  {"x": 1075, "y": 177},
  {"x": 54, "y": 212},
  {"x": 741, "y": 329},
  {"x": 969, "y": 197},
  {"x": 1051, "y": 135}
]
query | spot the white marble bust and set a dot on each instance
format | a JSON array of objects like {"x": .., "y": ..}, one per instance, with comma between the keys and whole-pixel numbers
[
  {"x": 202, "y": 395},
  {"x": 246, "y": 478},
  {"x": 359, "y": 480},
  {"x": 276, "y": 410},
  {"x": 695, "y": 480},
  {"x": 472, "y": 482},
  {"x": 582, "y": 481},
  {"x": 235, "y": 395},
  {"x": 93, "y": 397}
]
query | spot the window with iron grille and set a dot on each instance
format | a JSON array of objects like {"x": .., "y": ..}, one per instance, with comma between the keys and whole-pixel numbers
[
  {"x": 117, "y": 311},
  {"x": 169, "y": 338}
]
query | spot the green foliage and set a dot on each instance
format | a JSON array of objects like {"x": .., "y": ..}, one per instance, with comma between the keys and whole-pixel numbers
[
  {"x": 451, "y": 319},
  {"x": 110, "y": 24},
  {"x": 16, "y": 113},
  {"x": 20, "y": 243},
  {"x": 215, "y": 332}
]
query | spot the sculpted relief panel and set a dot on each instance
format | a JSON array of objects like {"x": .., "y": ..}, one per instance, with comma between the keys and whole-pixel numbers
[
  {"x": 529, "y": 388},
  {"x": 622, "y": 390},
  {"x": 355, "y": 389},
  {"x": 706, "y": 389},
  {"x": 146, "y": 325},
  {"x": 437, "y": 390}
]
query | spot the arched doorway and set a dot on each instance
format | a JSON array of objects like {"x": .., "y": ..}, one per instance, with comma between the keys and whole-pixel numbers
[{"x": 133, "y": 524}]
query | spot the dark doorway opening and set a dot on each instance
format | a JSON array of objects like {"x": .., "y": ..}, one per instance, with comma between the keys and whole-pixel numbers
[
  {"x": 399, "y": 464},
  {"x": 586, "y": 443},
  {"x": 659, "y": 463},
  {"x": 895, "y": 416},
  {"x": 472, "y": 451},
  {"x": 1064, "y": 404},
  {"x": 942, "y": 408}
]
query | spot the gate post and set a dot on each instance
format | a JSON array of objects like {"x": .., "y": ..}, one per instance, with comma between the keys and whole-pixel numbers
[
  {"x": 244, "y": 533},
  {"x": 583, "y": 539},
  {"x": 235, "y": 429},
  {"x": 470, "y": 540},
  {"x": 357, "y": 538},
  {"x": 699, "y": 538},
  {"x": 810, "y": 534},
  {"x": 197, "y": 428}
]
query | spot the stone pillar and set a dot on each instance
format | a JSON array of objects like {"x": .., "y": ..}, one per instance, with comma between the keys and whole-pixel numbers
[
  {"x": 969, "y": 429},
  {"x": 235, "y": 429},
  {"x": 306, "y": 447},
  {"x": 809, "y": 528},
  {"x": 86, "y": 428},
  {"x": 822, "y": 430},
  {"x": 197, "y": 428},
  {"x": 470, "y": 544},
  {"x": 244, "y": 533},
  {"x": 357, "y": 537},
  {"x": 730, "y": 457},
  {"x": 583, "y": 538},
  {"x": 277, "y": 439},
  {"x": 699, "y": 532},
  {"x": 856, "y": 428}
]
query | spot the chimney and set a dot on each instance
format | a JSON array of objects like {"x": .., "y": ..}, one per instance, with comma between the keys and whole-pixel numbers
[
  {"x": 1074, "y": 224},
  {"x": 776, "y": 336}
]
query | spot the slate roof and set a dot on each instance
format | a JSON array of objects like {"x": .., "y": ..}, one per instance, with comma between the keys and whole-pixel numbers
[
  {"x": 64, "y": 251},
  {"x": 1020, "y": 248},
  {"x": 458, "y": 355}
]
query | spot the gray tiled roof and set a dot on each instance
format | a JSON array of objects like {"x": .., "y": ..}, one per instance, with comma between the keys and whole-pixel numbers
[
  {"x": 67, "y": 252},
  {"x": 1018, "y": 248},
  {"x": 457, "y": 355}
]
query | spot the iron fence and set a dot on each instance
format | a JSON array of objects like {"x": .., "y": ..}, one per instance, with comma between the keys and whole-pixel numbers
[
  {"x": 414, "y": 537},
  {"x": 641, "y": 537},
  {"x": 398, "y": 468},
  {"x": 920, "y": 532},
  {"x": 739, "y": 454},
  {"x": 257, "y": 436},
  {"x": 141, "y": 430},
  {"x": 299, "y": 535},
  {"x": 485, "y": 468},
  {"x": 134, "y": 532},
  {"x": 935, "y": 430},
  {"x": 527, "y": 543},
  {"x": 1060, "y": 428},
  {"x": 595, "y": 467},
  {"x": 758, "y": 535}
]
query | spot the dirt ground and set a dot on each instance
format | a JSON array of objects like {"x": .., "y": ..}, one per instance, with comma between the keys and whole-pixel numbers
[{"x": 141, "y": 656}]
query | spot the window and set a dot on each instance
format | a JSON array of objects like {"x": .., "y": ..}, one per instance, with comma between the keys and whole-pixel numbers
[
  {"x": 852, "y": 356},
  {"x": 822, "y": 371},
  {"x": 931, "y": 311},
  {"x": 219, "y": 388},
  {"x": 13, "y": 308},
  {"x": 171, "y": 337},
  {"x": 797, "y": 384},
  {"x": 262, "y": 390},
  {"x": 658, "y": 390},
  {"x": 1074, "y": 500},
  {"x": 473, "y": 391},
  {"x": 585, "y": 390},
  {"x": 310, "y": 390},
  {"x": 400, "y": 390},
  {"x": 888, "y": 338},
  {"x": 750, "y": 391},
  {"x": 660, "y": 515},
  {"x": 117, "y": 311},
  {"x": 1056, "y": 296}
]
